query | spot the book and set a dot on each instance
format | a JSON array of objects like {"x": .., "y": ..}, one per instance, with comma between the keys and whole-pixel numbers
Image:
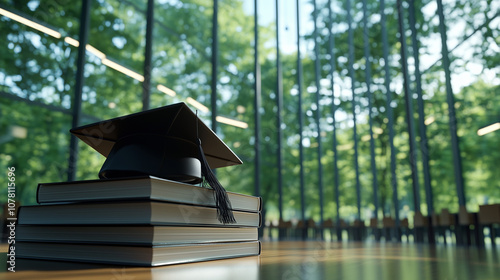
[
  {"x": 137, "y": 255},
  {"x": 134, "y": 235},
  {"x": 130, "y": 213},
  {"x": 139, "y": 188}
]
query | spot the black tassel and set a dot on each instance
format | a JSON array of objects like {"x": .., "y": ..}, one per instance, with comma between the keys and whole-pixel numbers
[{"x": 224, "y": 209}]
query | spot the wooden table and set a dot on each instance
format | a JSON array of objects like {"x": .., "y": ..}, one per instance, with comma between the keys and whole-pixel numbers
[{"x": 296, "y": 260}]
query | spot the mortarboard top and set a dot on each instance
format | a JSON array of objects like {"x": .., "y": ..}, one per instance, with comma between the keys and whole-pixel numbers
[
  {"x": 162, "y": 142},
  {"x": 175, "y": 125}
]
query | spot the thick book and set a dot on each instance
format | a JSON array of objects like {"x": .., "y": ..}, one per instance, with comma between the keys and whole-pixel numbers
[
  {"x": 134, "y": 235},
  {"x": 130, "y": 213},
  {"x": 137, "y": 255},
  {"x": 140, "y": 188}
]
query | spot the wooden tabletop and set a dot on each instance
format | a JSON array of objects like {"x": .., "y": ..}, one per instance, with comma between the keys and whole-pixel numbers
[{"x": 295, "y": 260}]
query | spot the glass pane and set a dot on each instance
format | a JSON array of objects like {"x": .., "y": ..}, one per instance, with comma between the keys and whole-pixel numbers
[{"x": 37, "y": 74}]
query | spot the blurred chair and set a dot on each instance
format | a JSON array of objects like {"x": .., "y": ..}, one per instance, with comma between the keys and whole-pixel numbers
[
  {"x": 300, "y": 230},
  {"x": 358, "y": 230},
  {"x": 436, "y": 227},
  {"x": 270, "y": 226},
  {"x": 404, "y": 226},
  {"x": 343, "y": 227},
  {"x": 328, "y": 225},
  {"x": 312, "y": 229},
  {"x": 468, "y": 224},
  {"x": 489, "y": 217},
  {"x": 421, "y": 228},
  {"x": 375, "y": 230},
  {"x": 284, "y": 228},
  {"x": 388, "y": 228},
  {"x": 448, "y": 223}
]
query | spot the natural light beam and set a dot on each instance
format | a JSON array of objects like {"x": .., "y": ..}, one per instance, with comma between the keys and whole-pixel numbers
[
  {"x": 72, "y": 41},
  {"x": 96, "y": 52},
  {"x": 231, "y": 122},
  {"x": 165, "y": 90},
  {"x": 30, "y": 23},
  {"x": 488, "y": 129},
  {"x": 197, "y": 105},
  {"x": 429, "y": 120},
  {"x": 123, "y": 69}
]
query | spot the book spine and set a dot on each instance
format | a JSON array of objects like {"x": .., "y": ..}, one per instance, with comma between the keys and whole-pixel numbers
[
  {"x": 260, "y": 219},
  {"x": 38, "y": 193},
  {"x": 19, "y": 216}
]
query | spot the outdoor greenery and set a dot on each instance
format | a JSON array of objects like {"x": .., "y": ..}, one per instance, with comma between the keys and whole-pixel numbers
[{"x": 38, "y": 72}]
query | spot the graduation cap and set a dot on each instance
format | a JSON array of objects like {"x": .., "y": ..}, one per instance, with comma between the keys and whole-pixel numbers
[{"x": 169, "y": 142}]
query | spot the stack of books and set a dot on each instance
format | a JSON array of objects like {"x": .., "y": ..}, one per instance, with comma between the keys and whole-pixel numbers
[{"x": 144, "y": 221}]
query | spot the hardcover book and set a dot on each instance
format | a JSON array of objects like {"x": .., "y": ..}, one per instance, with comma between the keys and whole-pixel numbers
[
  {"x": 137, "y": 255},
  {"x": 134, "y": 235},
  {"x": 130, "y": 213},
  {"x": 139, "y": 188}
]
